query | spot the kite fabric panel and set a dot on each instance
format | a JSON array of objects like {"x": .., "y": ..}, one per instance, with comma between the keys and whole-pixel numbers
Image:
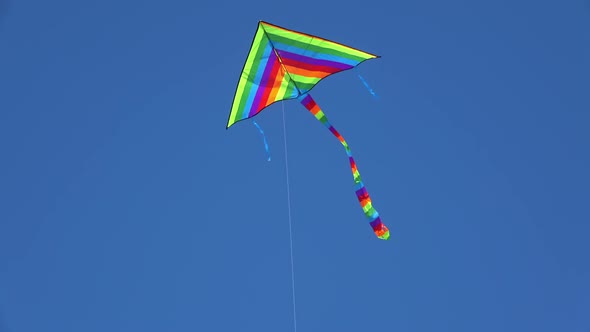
[{"x": 284, "y": 64}]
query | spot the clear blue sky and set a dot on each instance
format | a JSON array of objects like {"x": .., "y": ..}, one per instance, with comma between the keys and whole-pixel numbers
[{"x": 125, "y": 205}]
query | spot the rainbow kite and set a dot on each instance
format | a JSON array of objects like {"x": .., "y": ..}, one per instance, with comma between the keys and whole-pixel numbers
[{"x": 285, "y": 64}]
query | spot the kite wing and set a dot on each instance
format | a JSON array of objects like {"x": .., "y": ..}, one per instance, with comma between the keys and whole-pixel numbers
[{"x": 285, "y": 64}]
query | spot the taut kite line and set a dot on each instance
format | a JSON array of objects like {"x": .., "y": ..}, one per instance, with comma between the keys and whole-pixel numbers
[{"x": 285, "y": 64}]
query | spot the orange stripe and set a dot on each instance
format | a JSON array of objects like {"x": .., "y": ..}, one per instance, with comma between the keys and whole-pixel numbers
[
  {"x": 307, "y": 73},
  {"x": 382, "y": 231},
  {"x": 276, "y": 86},
  {"x": 270, "y": 87},
  {"x": 315, "y": 110}
]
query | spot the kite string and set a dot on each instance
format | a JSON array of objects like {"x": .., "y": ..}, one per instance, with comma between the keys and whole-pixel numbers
[{"x": 290, "y": 222}]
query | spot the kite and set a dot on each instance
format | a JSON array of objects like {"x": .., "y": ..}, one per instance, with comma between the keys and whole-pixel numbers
[{"x": 285, "y": 64}]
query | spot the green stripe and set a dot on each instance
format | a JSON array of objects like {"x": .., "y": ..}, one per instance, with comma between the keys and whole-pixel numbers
[
  {"x": 291, "y": 90},
  {"x": 306, "y": 86},
  {"x": 369, "y": 210},
  {"x": 340, "y": 48},
  {"x": 316, "y": 42},
  {"x": 356, "y": 175},
  {"x": 242, "y": 83},
  {"x": 250, "y": 72},
  {"x": 252, "y": 64},
  {"x": 316, "y": 48},
  {"x": 305, "y": 79}
]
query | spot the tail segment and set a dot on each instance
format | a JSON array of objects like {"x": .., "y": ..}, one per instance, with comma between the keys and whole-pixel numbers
[
  {"x": 264, "y": 138},
  {"x": 361, "y": 192},
  {"x": 367, "y": 85}
]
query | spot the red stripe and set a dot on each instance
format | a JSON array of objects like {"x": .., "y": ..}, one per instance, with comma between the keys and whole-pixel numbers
[
  {"x": 271, "y": 82},
  {"x": 309, "y": 66},
  {"x": 308, "y": 103},
  {"x": 335, "y": 132},
  {"x": 363, "y": 197},
  {"x": 311, "y": 106}
]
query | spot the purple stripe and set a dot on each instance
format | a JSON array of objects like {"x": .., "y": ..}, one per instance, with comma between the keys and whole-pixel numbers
[
  {"x": 361, "y": 192},
  {"x": 376, "y": 224},
  {"x": 306, "y": 102},
  {"x": 334, "y": 132},
  {"x": 319, "y": 62},
  {"x": 262, "y": 85}
]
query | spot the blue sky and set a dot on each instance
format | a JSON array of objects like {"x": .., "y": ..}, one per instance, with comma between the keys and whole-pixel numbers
[{"x": 127, "y": 206}]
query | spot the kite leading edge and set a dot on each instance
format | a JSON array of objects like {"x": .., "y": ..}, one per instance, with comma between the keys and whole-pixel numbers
[{"x": 284, "y": 64}]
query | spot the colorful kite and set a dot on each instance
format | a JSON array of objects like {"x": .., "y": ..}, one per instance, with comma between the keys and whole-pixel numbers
[{"x": 285, "y": 64}]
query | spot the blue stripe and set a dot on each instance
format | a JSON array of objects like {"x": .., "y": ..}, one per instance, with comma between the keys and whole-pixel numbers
[{"x": 256, "y": 82}]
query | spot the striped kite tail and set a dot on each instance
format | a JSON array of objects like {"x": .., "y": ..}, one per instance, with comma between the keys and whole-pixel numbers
[{"x": 361, "y": 192}]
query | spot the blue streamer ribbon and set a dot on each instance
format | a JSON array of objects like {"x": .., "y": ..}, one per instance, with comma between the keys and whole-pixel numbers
[
  {"x": 367, "y": 85},
  {"x": 264, "y": 138}
]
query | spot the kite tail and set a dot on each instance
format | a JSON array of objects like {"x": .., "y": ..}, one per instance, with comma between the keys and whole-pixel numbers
[
  {"x": 264, "y": 138},
  {"x": 361, "y": 192}
]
